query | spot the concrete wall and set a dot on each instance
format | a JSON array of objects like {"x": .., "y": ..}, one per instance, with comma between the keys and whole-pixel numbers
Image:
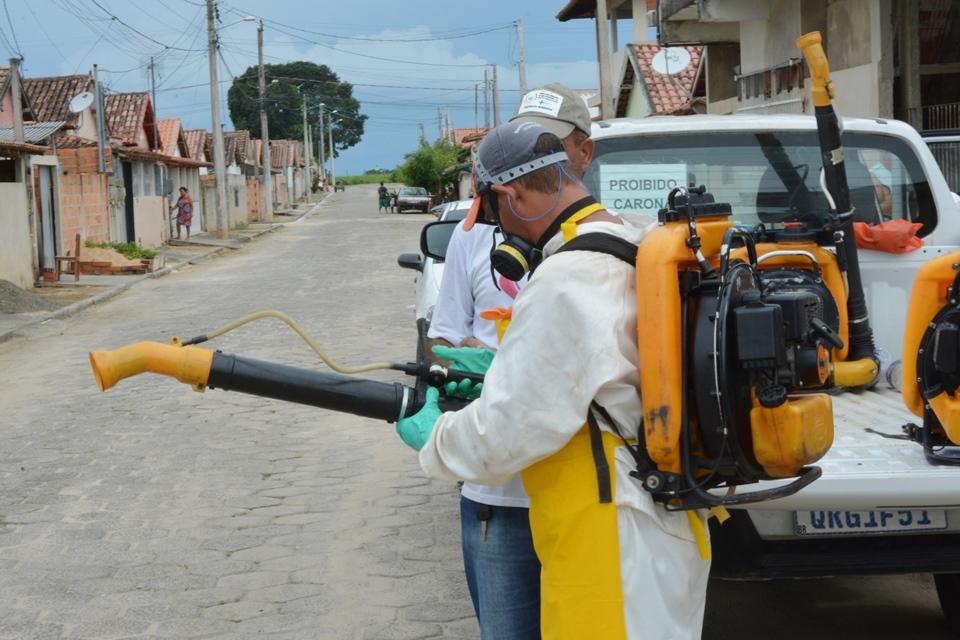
[
  {"x": 16, "y": 256},
  {"x": 237, "y": 200},
  {"x": 150, "y": 220}
]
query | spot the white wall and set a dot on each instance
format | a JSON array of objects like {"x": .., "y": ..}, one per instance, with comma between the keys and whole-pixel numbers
[
  {"x": 16, "y": 257},
  {"x": 150, "y": 220}
]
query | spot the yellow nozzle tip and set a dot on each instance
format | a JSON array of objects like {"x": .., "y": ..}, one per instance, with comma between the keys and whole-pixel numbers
[
  {"x": 808, "y": 39},
  {"x": 99, "y": 363}
]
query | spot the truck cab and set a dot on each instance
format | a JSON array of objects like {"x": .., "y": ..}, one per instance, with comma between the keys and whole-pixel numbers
[{"x": 880, "y": 506}]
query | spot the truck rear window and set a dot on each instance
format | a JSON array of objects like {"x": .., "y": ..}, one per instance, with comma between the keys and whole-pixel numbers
[{"x": 768, "y": 177}]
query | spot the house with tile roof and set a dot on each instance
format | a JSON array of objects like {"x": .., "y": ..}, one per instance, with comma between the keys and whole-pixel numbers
[
  {"x": 140, "y": 214},
  {"x": 51, "y": 96},
  {"x": 650, "y": 87},
  {"x": 612, "y": 59},
  {"x": 80, "y": 193},
  {"x": 196, "y": 145}
]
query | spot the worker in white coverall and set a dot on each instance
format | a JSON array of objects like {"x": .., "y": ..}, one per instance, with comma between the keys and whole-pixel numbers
[
  {"x": 499, "y": 560},
  {"x": 620, "y": 569}
]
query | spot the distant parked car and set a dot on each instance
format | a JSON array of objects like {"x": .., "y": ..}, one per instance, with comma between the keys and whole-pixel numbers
[
  {"x": 339, "y": 187},
  {"x": 413, "y": 198}
]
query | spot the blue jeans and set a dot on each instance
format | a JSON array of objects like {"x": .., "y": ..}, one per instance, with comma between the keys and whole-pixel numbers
[{"x": 503, "y": 572}]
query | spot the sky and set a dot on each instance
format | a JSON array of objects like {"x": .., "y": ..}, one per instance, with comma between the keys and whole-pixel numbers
[{"x": 406, "y": 58}]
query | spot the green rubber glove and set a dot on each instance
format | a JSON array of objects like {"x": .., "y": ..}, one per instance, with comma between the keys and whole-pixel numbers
[
  {"x": 415, "y": 430},
  {"x": 469, "y": 359},
  {"x": 466, "y": 389}
]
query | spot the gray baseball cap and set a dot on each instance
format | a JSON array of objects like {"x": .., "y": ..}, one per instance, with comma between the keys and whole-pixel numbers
[
  {"x": 557, "y": 108},
  {"x": 506, "y": 153}
]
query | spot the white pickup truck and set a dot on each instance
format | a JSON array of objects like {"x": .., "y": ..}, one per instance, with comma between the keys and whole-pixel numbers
[{"x": 880, "y": 507}]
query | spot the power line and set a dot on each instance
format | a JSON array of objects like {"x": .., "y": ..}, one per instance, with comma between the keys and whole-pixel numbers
[
  {"x": 141, "y": 33},
  {"x": 434, "y": 38},
  {"x": 13, "y": 31},
  {"x": 371, "y": 57},
  {"x": 44, "y": 31}
]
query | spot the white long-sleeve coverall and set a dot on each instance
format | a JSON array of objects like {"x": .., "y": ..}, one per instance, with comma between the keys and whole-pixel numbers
[{"x": 622, "y": 570}]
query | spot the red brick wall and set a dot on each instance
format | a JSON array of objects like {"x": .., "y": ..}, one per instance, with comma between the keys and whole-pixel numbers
[
  {"x": 253, "y": 199},
  {"x": 84, "y": 208},
  {"x": 84, "y": 202},
  {"x": 84, "y": 160}
]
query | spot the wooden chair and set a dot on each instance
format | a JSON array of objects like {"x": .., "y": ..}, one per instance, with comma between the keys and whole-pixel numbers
[{"x": 67, "y": 261}]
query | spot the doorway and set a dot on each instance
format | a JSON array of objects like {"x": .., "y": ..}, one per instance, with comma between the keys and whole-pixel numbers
[
  {"x": 47, "y": 243},
  {"x": 131, "y": 235}
]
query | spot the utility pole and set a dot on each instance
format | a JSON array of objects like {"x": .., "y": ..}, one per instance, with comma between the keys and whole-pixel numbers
[
  {"x": 333, "y": 153},
  {"x": 423, "y": 136},
  {"x": 521, "y": 58},
  {"x": 323, "y": 159},
  {"x": 486, "y": 100},
  {"x": 496, "y": 98},
  {"x": 306, "y": 151},
  {"x": 603, "y": 58},
  {"x": 439, "y": 124},
  {"x": 15, "y": 94},
  {"x": 153, "y": 100},
  {"x": 476, "y": 106},
  {"x": 101, "y": 138},
  {"x": 219, "y": 169},
  {"x": 266, "y": 211}
]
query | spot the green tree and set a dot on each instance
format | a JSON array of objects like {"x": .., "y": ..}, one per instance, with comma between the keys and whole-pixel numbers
[
  {"x": 425, "y": 166},
  {"x": 286, "y": 83}
]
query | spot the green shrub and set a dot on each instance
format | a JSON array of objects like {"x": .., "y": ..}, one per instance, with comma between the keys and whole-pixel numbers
[{"x": 129, "y": 250}]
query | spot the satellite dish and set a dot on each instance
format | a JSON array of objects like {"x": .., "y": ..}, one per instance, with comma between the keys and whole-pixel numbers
[
  {"x": 81, "y": 101},
  {"x": 670, "y": 61}
]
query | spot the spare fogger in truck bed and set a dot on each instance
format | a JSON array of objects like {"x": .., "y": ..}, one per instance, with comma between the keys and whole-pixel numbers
[{"x": 931, "y": 358}]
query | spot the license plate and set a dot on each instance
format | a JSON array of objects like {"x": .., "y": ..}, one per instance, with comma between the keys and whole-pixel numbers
[{"x": 824, "y": 523}]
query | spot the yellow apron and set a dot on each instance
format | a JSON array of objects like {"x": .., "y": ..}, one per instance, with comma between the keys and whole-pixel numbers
[{"x": 576, "y": 539}]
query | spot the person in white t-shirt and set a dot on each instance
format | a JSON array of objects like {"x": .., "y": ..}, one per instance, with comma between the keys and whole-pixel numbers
[{"x": 501, "y": 566}]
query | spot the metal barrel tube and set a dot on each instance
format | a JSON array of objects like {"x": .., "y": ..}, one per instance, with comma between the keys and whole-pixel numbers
[
  {"x": 388, "y": 401},
  {"x": 835, "y": 176}
]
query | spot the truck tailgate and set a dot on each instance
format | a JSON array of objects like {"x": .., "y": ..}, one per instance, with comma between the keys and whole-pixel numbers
[{"x": 865, "y": 471}]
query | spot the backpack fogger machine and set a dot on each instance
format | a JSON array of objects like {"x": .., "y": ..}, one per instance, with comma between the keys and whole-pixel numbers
[
  {"x": 743, "y": 330},
  {"x": 931, "y": 359}
]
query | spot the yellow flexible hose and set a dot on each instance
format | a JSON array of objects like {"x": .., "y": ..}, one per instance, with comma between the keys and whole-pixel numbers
[{"x": 290, "y": 322}]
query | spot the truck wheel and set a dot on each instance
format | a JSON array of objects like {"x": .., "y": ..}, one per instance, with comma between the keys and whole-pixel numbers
[{"x": 948, "y": 590}]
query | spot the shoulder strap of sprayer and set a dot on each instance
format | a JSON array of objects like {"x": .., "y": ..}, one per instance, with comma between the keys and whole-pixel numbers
[{"x": 625, "y": 251}]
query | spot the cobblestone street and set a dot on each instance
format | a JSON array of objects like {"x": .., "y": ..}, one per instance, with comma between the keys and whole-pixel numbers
[
  {"x": 151, "y": 511},
  {"x": 154, "y": 511}
]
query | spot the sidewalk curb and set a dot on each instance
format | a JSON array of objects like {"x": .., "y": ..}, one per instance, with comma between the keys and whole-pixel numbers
[{"x": 76, "y": 307}]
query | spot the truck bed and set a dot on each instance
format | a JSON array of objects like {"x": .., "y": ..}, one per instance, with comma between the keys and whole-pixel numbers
[{"x": 865, "y": 471}]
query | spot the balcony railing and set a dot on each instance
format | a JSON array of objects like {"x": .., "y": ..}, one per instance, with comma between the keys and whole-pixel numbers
[{"x": 937, "y": 116}]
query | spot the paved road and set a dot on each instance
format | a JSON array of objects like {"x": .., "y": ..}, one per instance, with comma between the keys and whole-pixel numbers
[{"x": 155, "y": 512}]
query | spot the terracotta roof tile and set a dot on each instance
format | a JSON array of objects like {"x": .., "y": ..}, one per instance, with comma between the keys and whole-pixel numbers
[
  {"x": 170, "y": 132},
  {"x": 240, "y": 140},
  {"x": 51, "y": 96},
  {"x": 74, "y": 142},
  {"x": 127, "y": 114},
  {"x": 667, "y": 94},
  {"x": 460, "y": 136},
  {"x": 195, "y": 143}
]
